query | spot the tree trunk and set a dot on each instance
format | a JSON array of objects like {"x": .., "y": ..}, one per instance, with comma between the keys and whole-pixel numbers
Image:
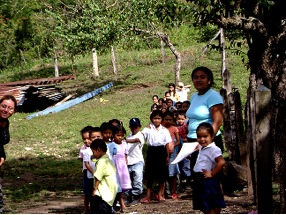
[{"x": 267, "y": 62}]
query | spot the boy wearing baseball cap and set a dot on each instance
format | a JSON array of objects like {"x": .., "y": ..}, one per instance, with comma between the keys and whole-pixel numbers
[{"x": 135, "y": 161}]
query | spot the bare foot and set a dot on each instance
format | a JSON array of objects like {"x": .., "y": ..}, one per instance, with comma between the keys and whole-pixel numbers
[{"x": 146, "y": 199}]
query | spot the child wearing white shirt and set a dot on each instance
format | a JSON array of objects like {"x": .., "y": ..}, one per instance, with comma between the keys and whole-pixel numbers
[
  {"x": 135, "y": 161},
  {"x": 207, "y": 193},
  {"x": 157, "y": 138}
]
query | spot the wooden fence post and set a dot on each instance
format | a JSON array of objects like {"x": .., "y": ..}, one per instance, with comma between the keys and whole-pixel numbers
[
  {"x": 264, "y": 149},
  {"x": 56, "y": 66},
  {"x": 113, "y": 60},
  {"x": 94, "y": 64},
  {"x": 240, "y": 132},
  {"x": 222, "y": 49},
  {"x": 162, "y": 51}
]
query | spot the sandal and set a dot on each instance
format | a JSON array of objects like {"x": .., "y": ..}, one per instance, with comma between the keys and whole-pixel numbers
[
  {"x": 174, "y": 196},
  {"x": 156, "y": 197}
]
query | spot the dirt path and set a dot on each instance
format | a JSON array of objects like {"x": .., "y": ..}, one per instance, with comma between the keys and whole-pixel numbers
[{"x": 240, "y": 203}]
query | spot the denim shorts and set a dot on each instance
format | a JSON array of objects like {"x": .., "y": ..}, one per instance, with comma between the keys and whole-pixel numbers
[{"x": 173, "y": 168}]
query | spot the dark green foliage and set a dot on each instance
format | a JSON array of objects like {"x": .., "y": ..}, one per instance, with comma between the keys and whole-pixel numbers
[{"x": 40, "y": 29}]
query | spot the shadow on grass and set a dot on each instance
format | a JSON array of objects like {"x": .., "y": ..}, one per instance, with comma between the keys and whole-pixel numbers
[{"x": 40, "y": 177}]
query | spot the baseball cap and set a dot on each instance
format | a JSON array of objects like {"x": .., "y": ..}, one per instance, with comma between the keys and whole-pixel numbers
[
  {"x": 134, "y": 122},
  {"x": 180, "y": 84}
]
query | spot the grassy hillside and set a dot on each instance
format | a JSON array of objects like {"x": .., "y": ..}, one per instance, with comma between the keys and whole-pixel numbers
[{"x": 47, "y": 146}]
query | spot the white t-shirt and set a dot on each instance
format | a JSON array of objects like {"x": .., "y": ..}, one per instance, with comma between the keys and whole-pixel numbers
[
  {"x": 87, "y": 157},
  {"x": 135, "y": 149},
  {"x": 206, "y": 158},
  {"x": 183, "y": 94},
  {"x": 155, "y": 137}
]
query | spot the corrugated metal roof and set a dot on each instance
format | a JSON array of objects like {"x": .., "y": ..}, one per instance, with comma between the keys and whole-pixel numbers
[
  {"x": 39, "y": 81},
  {"x": 41, "y": 87}
]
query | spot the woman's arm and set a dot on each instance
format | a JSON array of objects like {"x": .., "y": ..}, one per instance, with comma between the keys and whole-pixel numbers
[{"x": 216, "y": 114}]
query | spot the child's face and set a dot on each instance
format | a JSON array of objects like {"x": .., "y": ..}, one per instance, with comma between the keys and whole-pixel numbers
[
  {"x": 163, "y": 110},
  {"x": 86, "y": 139},
  {"x": 181, "y": 119},
  {"x": 97, "y": 153},
  {"x": 204, "y": 138},
  {"x": 171, "y": 88},
  {"x": 95, "y": 135},
  {"x": 164, "y": 105},
  {"x": 169, "y": 103},
  {"x": 178, "y": 106},
  {"x": 175, "y": 113},
  {"x": 134, "y": 130},
  {"x": 185, "y": 107},
  {"x": 157, "y": 120},
  {"x": 107, "y": 135},
  {"x": 168, "y": 121},
  {"x": 155, "y": 100},
  {"x": 118, "y": 137},
  {"x": 167, "y": 96}
]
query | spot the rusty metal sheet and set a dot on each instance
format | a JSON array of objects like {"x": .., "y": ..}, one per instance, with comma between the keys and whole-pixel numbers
[{"x": 38, "y": 81}]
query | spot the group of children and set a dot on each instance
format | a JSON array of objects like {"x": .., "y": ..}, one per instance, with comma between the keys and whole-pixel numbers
[
  {"x": 116, "y": 167},
  {"x": 123, "y": 173}
]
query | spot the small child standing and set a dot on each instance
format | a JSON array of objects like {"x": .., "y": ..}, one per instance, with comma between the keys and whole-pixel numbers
[
  {"x": 107, "y": 130},
  {"x": 105, "y": 186},
  {"x": 182, "y": 125},
  {"x": 135, "y": 161},
  {"x": 120, "y": 160},
  {"x": 207, "y": 193},
  {"x": 173, "y": 150},
  {"x": 185, "y": 164},
  {"x": 94, "y": 133},
  {"x": 157, "y": 161},
  {"x": 85, "y": 135}
]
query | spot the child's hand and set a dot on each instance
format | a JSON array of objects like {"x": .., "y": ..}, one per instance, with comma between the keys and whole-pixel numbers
[
  {"x": 207, "y": 174},
  {"x": 93, "y": 192},
  {"x": 167, "y": 160}
]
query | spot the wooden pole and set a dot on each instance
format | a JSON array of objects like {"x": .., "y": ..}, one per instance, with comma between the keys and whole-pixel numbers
[
  {"x": 162, "y": 51},
  {"x": 113, "y": 60},
  {"x": 263, "y": 150},
  {"x": 223, "y": 55},
  {"x": 22, "y": 56},
  {"x": 94, "y": 64},
  {"x": 56, "y": 66},
  {"x": 240, "y": 132},
  {"x": 210, "y": 42}
]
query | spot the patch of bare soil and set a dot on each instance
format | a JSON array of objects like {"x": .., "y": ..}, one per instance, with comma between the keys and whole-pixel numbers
[{"x": 238, "y": 204}]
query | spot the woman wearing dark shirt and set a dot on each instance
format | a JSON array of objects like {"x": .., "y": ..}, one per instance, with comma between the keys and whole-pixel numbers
[{"x": 7, "y": 107}]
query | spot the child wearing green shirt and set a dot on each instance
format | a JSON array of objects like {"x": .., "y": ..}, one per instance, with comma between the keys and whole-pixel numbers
[{"x": 105, "y": 186}]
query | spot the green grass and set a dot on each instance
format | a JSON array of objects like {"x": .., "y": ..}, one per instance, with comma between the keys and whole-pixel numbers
[{"x": 48, "y": 146}]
